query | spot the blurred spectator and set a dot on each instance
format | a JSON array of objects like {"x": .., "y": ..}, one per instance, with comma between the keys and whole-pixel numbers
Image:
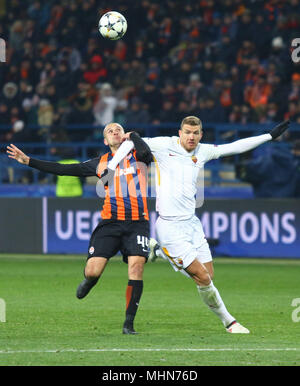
[
  {"x": 96, "y": 72},
  {"x": 45, "y": 113},
  {"x": 207, "y": 72},
  {"x": 258, "y": 94},
  {"x": 151, "y": 96},
  {"x": 238, "y": 51},
  {"x": 194, "y": 91},
  {"x": 136, "y": 113},
  {"x": 82, "y": 104},
  {"x": 293, "y": 112},
  {"x": 273, "y": 174},
  {"x": 212, "y": 111},
  {"x": 165, "y": 114},
  {"x": 16, "y": 36},
  {"x": 30, "y": 112},
  {"x": 18, "y": 133},
  {"x": 10, "y": 94},
  {"x": 4, "y": 114},
  {"x": 105, "y": 106},
  {"x": 63, "y": 81},
  {"x": 245, "y": 115}
]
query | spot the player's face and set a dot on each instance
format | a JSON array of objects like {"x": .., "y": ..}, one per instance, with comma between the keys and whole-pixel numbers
[
  {"x": 113, "y": 135},
  {"x": 190, "y": 136}
]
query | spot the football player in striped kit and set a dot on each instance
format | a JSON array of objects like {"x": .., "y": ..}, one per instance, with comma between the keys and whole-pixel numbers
[{"x": 124, "y": 224}]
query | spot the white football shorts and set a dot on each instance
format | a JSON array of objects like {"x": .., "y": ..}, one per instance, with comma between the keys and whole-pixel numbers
[{"x": 182, "y": 241}]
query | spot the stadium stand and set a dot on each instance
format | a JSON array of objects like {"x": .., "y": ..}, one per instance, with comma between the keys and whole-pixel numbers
[{"x": 228, "y": 62}]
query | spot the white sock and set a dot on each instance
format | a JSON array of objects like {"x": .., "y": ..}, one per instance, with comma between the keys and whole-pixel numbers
[{"x": 213, "y": 300}]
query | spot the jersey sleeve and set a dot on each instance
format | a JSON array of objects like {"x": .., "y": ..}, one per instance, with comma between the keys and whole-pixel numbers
[
  {"x": 208, "y": 152},
  {"x": 121, "y": 153},
  {"x": 237, "y": 147},
  {"x": 157, "y": 143},
  {"x": 241, "y": 145},
  {"x": 89, "y": 168},
  {"x": 83, "y": 169}
]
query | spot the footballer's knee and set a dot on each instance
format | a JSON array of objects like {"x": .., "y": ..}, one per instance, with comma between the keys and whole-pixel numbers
[
  {"x": 202, "y": 278},
  {"x": 199, "y": 273},
  {"x": 95, "y": 267},
  {"x": 136, "y": 267}
]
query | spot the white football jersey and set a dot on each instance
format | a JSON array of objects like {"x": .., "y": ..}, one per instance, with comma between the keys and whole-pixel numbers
[{"x": 179, "y": 175}]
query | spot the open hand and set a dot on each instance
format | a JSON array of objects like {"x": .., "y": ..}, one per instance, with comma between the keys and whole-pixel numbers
[{"x": 17, "y": 154}]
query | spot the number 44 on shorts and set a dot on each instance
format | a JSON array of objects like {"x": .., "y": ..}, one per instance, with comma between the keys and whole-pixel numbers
[{"x": 144, "y": 242}]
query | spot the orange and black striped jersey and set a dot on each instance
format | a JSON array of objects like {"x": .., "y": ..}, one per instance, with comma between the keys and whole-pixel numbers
[{"x": 125, "y": 199}]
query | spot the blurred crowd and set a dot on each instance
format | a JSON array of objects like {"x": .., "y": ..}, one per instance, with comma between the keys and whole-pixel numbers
[{"x": 224, "y": 61}]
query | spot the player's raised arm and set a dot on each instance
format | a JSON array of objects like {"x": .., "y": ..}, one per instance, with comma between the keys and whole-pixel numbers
[
  {"x": 246, "y": 144},
  {"x": 131, "y": 140},
  {"x": 84, "y": 169}
]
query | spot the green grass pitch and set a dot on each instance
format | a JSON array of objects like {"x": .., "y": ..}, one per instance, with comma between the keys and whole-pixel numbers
[{"x": 47, "y": 325}]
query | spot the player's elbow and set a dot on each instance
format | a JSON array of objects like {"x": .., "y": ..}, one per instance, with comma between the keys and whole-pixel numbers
[{"x": 145, "y": 156}]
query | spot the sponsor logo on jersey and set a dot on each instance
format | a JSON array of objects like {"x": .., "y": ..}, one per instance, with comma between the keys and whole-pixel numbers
[{"x": 124, "y": 172}]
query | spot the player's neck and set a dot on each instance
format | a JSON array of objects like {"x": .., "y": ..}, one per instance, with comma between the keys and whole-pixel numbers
[{"x": 114, "y": 148}]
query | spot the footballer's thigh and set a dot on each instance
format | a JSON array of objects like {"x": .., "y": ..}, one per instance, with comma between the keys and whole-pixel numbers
[
  {"x": 104, "y": 244},
  {"x": 135, "y": 247},
  {"x": 200, "y": 243}
]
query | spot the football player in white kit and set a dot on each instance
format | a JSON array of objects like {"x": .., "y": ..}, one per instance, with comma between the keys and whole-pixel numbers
[{"x": 178, "y": 161}]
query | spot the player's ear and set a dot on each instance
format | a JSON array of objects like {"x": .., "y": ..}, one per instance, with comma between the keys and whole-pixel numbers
[
  {"x": 179, "y": 132},
  {"x": 105, "y": 142}
]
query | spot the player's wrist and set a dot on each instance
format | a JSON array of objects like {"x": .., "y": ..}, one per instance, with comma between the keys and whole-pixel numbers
[{"x": 133, "y": 134}]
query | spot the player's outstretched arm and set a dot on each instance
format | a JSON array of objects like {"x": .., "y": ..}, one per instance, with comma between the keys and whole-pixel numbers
[
  {"x": 84, "y": 169},
  {"x": 15, "y": 153},
  {"x": 247, "y": 144}
]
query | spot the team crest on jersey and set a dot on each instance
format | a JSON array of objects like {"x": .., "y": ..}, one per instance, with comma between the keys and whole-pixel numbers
[
  {"x": 179, "y": 262},
  {"x": 194, "y": 159},
  {"x": 91, "y": 250}
]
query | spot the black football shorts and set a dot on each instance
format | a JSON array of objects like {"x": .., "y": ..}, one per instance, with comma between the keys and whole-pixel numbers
[{"x": 131, "y": 238}]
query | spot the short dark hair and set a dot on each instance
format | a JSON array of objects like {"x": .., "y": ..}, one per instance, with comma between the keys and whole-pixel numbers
[{"x": 191, "y": 120}]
